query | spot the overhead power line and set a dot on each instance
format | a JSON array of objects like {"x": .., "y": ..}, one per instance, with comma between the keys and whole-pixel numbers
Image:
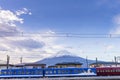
[{"x": 74, "y": 35}]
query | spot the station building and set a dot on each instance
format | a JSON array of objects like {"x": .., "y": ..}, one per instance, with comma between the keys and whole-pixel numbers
[
  {"x": 52, "y": 66},
  {"x": 68, "y": 64},
  {"x": 23, "y": 65},
  {"x": 3, "y": 65},
  {"x": 30, "y": 65}
]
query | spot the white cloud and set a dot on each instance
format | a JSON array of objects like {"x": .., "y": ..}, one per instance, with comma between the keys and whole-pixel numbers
[
  {"x": 9, "y": 18},
  {"x": 27, "y": 45},
  {"x": 23, "y": 11},
  {"x": 116, "y": 19},
  {"x": 109, "y": 47},
  {"x": 8, "y": 21},
  {"x": 116, "y": 29},
  {"x": 108, "y": 3},
  {"x": 32, "y": 46}
]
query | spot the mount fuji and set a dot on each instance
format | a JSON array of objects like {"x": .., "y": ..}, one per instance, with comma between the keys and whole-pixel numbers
[{"x": 65, "y": 56}]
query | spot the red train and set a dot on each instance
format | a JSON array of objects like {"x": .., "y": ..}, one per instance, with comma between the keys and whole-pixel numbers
[{"x": 108, "y": 71}]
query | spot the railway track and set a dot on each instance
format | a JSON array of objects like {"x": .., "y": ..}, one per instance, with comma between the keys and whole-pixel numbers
[
  {"x": 85, "y": 78},
  {"x": 70, "y": 78}
]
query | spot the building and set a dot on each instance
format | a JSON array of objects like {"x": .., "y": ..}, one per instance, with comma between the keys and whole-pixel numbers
[
  {"x": 53, "y": 66},
  {"x": 35, "y": 65},
  {"x": 4, "y": 65},
  {"x": 105, "y": 64},
  {"x": 30, "y": 65},
  {"x": 68, "y": 64}
]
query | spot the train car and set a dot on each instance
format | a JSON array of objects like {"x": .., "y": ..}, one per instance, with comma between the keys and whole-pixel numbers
[
  {"x": 69, "y": 72},
  {"x": 59, "y": 72},
  {"x": 21, "y": 73},
  {"x": 108, "y": 71}
]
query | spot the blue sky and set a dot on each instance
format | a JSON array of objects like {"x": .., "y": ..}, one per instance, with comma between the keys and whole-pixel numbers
[
  {"x": 80, "y": 16},
  {"x": 61, "y": 16}
]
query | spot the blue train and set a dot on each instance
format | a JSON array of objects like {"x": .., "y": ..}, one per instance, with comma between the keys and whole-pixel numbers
[{"x": 47, "y": 72}]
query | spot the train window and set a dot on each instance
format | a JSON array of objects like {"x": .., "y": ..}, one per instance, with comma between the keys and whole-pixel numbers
[
  {"x": 59, "y": 71},
  {"x": 31, "y": 72},
  {"x": 79, "y": 71},
  {"x": 66, "y": 71},
  {"x": 3, "y": 72},
  {"x": 40, "y": 72},
  {"x": 63, "y": 71},
  {"x": 35, "y": 72},
  {"x": 108, "y": 70},
  {"x": 54, "y": 72},
  {"x": 101, "y": 70},
  {"x": 7, "y": 72},
  {"x": 50, "y": 72},
  {"x": 75, "y": 71},
  {"x": 22, "y": 72},
  {"x": 116, "y": 70},
  {"x": 111, "y": 71},
  {"x": 10, "y": 72},
  {"x": 71, "y": 71},
  {"x": 26, "y": 72},
  {"x": 19, "y": 72},
  {"x": 46, "y": 72},
  {"x": 97, "y": 70}
]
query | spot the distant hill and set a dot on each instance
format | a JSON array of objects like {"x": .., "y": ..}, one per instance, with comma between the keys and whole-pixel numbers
[{"x": 65, "y": 58}]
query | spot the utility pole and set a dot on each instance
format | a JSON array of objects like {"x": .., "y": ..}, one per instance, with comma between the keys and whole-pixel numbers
[
  {"x": 115, "y": 60},
  {"x": 87, "y": 61},
  {"x": 8, "y": 59},
  {"x": 118, "y": 59},
  {"x": 21, "y": 60},
  {"x": 96, "y": 62}
]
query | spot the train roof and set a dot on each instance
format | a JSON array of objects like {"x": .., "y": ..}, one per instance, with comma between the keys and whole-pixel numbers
[{"x": 105, "y": 63}]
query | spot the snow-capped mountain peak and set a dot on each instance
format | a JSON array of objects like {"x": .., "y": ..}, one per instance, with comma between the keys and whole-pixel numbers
[{"x": 64, "y": 53}]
